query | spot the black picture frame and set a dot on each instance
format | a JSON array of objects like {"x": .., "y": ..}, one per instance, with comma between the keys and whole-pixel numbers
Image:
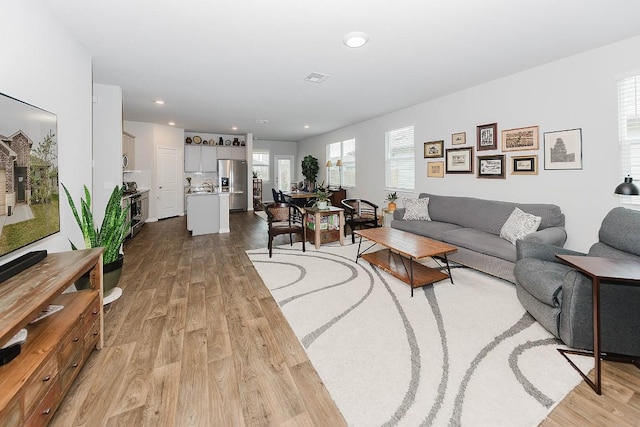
[
  {"x": 459, "y": 160},
  {"x": 491, "y": 167},
  {"x": 524, "y": 165},
  {"x": 487, "y": 137},
  {"x": 433, "y": 149}
]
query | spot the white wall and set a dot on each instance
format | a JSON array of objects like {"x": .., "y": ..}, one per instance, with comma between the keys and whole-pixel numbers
[
  {"x": 107, "y": 146},
  {"x": 576, "y": 92},
  {"x": 150, "y": 137},
  {"x": 45, "y": 67}
]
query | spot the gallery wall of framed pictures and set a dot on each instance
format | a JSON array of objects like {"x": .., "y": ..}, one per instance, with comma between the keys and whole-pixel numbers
[{"x": 561, "y": 150}]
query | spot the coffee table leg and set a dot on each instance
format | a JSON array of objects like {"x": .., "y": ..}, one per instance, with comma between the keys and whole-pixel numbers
[
  {"x": 411, "y": 272},
  {"x": 358, "y": 253},
  {"x": 448, "y": 269}
]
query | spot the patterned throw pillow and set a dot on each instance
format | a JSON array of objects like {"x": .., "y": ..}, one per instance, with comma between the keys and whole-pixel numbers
[
  {"x": 519, "y": 225},
  {"x": 416, "y": 209}
]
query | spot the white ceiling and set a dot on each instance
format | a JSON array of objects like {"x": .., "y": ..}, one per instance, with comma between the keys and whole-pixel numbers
[{"x": 224, "y": 63}]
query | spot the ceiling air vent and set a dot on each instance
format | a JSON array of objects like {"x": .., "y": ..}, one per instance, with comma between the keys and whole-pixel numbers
[{"x": 316, "y": 77}]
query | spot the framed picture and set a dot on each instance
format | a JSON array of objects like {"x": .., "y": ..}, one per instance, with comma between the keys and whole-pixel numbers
[
  {"x": 433, "y": 149},
  {"x": 488, "y": 137},
  {"x": 459, "y": 160},
  {"x": 524, "y": 165},
  {"x": 459, "y": 138},
  {"x": 491, "y": 166},
  {"x": 435, "y": 170},
  {"x": 520, "y": 139},
  {"x": 563, "y": 149}
]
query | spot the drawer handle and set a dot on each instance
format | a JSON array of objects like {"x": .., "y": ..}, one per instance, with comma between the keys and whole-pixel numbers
[
  {"x": 47, "y": 378},
  {"x": 75, "y": 339},
  {"x": 95, "y": 334},
  {"x": 75, "y": 365},
  {"x": 95, "y": 312},
  {"x": 46, "y": 411}
]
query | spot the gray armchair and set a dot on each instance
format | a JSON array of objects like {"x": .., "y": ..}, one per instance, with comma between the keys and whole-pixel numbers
[{"x": 560, "y": 298}]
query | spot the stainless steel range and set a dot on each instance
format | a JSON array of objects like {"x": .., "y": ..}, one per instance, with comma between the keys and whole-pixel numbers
[{"x": 139, "y": 202}]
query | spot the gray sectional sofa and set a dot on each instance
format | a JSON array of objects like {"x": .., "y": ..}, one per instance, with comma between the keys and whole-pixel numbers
[{"x": 473, "y": 226}]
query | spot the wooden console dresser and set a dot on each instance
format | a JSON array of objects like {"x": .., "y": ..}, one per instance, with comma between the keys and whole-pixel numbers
[{"x": 33, "y": 384}]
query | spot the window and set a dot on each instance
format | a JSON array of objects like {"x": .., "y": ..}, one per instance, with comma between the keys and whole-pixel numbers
[
  {"x": 345, "y": 151},
  {"x": 629, "y": 133},
  {"x": 400, "y": 159},
  {"x": 261, "y": 164}
]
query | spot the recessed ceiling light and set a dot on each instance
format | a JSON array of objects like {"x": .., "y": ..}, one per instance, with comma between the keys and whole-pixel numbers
[
  {"x": 234, "y": 128},
  {"x": 306, "y": 126},
  {"x": 172, "y": 123},
  {"x": 159, "y": 101},
  {"x": 262, "y": 121},
  {"x": 356, "y": 39}
]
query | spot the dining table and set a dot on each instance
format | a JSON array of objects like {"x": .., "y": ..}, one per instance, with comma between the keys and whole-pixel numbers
[{"x": 300, "y": 197}]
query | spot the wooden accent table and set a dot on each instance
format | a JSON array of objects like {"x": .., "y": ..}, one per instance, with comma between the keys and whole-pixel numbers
[
  {"x": 614, "y": 270},
  {"x": 35, "y": 382},
  {"x": 333, "y": 232},
  {"x": 403, "y": 249}
]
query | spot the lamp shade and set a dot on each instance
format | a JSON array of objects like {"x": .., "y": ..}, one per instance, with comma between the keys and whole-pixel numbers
[
  {"x": 339, "y": 163},
  {"x": 627, "y": 188},
  {"x": 329, "y": 163}
]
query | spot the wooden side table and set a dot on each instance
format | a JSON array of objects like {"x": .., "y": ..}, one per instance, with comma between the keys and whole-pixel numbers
[
  {"x": 315, "y": 231},
  {"x": 598, "y": 269},
  {"x": 387, "y": 216}
]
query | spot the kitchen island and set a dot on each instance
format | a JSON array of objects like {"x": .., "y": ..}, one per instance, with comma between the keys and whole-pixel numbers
[{"x": 207, "y": 213}]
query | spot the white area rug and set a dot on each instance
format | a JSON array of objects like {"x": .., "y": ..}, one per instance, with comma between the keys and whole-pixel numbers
[{"x": 463, "y": 354}]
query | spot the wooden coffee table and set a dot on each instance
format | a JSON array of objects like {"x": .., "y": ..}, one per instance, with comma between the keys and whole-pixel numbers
[{"x": 404, "y": 249}]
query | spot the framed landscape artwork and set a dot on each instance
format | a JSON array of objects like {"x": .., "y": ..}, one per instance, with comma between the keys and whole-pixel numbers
[
  {"x": 563, "y": 149},
  {"x": 433, "y": 149},
  {"x": 491, "y": 166},
  {"x": 520, "y": 139},
  {"x": 459, "y": 160},
  {"x": 459, "y": 138},
  {"x": 524, "y": 165},
  {"x": 488, "y": 137},
  {"x": 435, "y": 170}
]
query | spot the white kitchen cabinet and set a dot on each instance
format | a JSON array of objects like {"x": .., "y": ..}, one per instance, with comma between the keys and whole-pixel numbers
[
  {"x": 200, "y": 159},
  {"x": 238, "y": 153},
  {"x": 224, "y": 152},
  {"x": 128, "y": 151}
]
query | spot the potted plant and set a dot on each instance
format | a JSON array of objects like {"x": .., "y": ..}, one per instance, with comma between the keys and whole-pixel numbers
[
  {"x": 110, "y": 235},
  {"x": 323, "y": 197},
  {"x": 391, "y": 199},
  {"x": 310, "y": 170}
]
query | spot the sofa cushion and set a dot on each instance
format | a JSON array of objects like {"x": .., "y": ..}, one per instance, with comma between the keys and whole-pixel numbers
[
  {"x": 488, "y": 215},
  {"x": 416, "y": 209},
  {"x": 432, "y": 229},
  {"x": 479, "y": 241},
  {"x": 542, "y": 279},
  {"x": 519, "y": 225},
  {"x": 602, "y": 250}
]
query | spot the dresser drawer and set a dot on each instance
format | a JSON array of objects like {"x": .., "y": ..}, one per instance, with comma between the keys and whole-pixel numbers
[
  {"x": 71, "y": 343},
  {"x": 44, "y": 411},
  {"x": 91, "y": 314},
  {"x": 12, "y": 415},
  {"x": 40, "y": 382},
  {"x": 70, "y": 369},
  {"x": 91, "y": 338}
]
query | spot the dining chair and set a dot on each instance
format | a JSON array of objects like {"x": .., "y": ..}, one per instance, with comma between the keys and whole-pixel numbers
[{"x": 286, "y": 218}]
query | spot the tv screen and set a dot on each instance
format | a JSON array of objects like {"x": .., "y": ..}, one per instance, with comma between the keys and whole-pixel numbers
[{"x": 29, "y": 196}]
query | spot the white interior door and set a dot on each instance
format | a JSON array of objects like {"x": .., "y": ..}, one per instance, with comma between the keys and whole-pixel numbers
[
  {"x": 284, "y": 172},
  {"x": 168, "y": 179}
]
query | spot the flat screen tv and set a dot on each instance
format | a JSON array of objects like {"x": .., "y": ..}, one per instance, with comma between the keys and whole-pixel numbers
[{"x": 29, "y": 192}]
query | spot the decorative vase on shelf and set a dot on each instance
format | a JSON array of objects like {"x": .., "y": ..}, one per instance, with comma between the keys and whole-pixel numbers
[
  {"x": 322, "y": 205},
  {"x": 391, "y": 206},
  {"x": 220, "y": 141}
]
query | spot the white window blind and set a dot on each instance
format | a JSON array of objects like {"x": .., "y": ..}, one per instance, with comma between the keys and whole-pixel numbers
[
  {"x": 261, "y": 164},
  {"x": 629, "y": 133},
  {"x": 345, "y": 151},
  {"x": 400, "y": 159}
]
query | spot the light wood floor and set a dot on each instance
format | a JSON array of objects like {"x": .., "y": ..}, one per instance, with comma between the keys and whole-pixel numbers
[{"x": 197, "y": 340}]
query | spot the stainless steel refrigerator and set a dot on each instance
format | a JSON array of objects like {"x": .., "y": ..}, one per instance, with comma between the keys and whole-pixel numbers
[{"x": 232, "y": 178}]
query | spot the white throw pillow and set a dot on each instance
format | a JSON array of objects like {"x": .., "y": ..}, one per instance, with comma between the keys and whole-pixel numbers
[
  {"x": 416, "y": 209},
  {"x": 519, "y": 225}
]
